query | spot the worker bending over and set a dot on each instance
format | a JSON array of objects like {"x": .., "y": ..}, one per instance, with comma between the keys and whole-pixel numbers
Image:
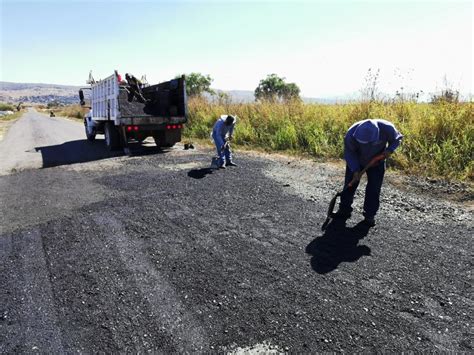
[
  {"x": 221, "y": 133},
  {"x": 363, "y": 141}
]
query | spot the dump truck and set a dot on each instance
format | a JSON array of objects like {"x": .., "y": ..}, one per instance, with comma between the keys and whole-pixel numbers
[{"x": 129, "y": 111}]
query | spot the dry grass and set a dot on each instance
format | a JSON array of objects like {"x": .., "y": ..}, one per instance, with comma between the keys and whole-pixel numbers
[
  {"x": 7, "y": 121},
  {"x": 76, "y": 112},
  {"x": 439, "y": 138}
]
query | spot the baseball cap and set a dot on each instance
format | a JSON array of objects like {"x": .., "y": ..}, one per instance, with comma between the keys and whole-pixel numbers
[{"x": 366, "y": 132}]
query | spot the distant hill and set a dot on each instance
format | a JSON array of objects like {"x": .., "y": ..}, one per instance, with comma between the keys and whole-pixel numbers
[
  {"x": 38, "y": 93},
  {"x": 68, "y": 94}
]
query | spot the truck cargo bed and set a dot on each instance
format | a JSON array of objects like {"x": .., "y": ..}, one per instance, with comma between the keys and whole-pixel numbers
[{"x": 165, "y": 100}]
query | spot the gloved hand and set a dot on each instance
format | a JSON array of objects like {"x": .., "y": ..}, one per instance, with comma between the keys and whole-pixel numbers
[
  {"x": 355, "y": 178},
  {"x": 387, "y": 154}
]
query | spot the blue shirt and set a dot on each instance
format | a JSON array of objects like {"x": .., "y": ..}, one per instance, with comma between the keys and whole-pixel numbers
[
  {"x": 221, "y": 129},
  {"x": 358, "y": 155}
]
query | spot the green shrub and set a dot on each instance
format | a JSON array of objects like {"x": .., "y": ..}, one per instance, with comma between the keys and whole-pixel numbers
[{"x": 7, "y": 107}]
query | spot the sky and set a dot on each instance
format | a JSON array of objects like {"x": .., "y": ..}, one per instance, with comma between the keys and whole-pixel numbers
[{"x": 325, "y": 47}]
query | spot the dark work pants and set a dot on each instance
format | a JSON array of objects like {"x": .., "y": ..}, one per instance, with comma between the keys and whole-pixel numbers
[{"x": 372, "y": 190}]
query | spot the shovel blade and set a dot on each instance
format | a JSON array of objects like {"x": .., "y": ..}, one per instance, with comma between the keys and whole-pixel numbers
[{"x": 332, "y": 203}]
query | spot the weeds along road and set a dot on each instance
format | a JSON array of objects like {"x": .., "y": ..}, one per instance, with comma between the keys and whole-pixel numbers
[{"x": 153, "y": 252}]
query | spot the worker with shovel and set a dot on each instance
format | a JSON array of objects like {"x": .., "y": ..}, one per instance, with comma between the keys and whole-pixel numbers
[
  {"x": 367, "y": 145},
  {"x": 222, "y": 133}
]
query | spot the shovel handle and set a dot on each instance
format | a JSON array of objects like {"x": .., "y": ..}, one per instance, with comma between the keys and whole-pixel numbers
[{"x": 371, "y": 163}]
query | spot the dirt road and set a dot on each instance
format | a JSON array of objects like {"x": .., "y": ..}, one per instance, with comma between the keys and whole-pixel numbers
[{"x": 156, "y": 253}]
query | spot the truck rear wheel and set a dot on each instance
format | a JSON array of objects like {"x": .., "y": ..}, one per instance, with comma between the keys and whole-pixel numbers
[
  {"x": 167, "y": 139},
  {"x": 112, "y": 136},
  {"x": 160, "y": 143}
]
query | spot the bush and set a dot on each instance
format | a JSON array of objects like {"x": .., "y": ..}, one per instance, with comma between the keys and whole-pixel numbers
[{"x": 7, "y": 107}]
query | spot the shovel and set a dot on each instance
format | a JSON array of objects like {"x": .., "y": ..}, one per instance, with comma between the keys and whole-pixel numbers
[{"x": 374, "y": 160}]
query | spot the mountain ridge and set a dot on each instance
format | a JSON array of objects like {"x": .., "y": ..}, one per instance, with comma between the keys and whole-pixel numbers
[{"x": 43, "y": 93}]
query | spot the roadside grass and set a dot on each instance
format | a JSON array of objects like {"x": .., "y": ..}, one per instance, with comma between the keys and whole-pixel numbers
[
  {"x": 11, "y": 117},
  {"x": 7, "y": 120},
  {"x": 76, "y": 112},
  {"x": 438, "y": 142},
  {"x": 9, "y": 107}
]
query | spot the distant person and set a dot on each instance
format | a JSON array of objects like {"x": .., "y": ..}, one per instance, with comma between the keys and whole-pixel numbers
[
  {"x": 221, "y": 133},
  {"x": 363, "y": 141},
  {"x": 51, "y": 114}
]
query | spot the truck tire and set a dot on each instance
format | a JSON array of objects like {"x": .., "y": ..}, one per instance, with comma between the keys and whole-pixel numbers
[
  {"x": 159, "y": 143},
  {"x": 112, "y": 136},
  {"x": 90, "y": 132},
  {"x": 165, "y": 140}
]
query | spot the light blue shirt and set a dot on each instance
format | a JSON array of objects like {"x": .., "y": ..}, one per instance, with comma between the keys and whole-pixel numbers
[
  {"x": 358, "y": 155},
  {"x": 221, "y": 129}
]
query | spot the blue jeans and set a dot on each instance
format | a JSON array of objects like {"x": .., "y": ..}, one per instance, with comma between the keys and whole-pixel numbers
[
  {"x": 372, "y": 191},
  {"x": 225, "y": 155}
]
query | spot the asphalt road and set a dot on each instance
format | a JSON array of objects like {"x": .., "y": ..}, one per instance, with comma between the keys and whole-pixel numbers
[{"x": 154, "y": 252}]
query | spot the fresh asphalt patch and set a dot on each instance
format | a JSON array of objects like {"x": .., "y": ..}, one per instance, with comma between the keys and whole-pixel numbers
[{"x": 159, "y": 253}]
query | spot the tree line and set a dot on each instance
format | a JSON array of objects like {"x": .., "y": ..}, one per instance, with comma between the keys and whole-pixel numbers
[{"x": 273, "y": 88}]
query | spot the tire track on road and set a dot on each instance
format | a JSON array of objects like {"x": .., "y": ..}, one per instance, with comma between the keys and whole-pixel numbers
[
  {"x": 29, "y": 314},
  {"x": 168, "y": 311}
]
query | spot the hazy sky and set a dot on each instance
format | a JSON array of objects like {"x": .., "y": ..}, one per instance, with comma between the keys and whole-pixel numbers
[{"x": 325, "y": 47}]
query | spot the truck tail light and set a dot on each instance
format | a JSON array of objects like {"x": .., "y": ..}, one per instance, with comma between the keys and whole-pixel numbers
[
  {"x": 174, "y": 126},
  {"x": 132, "y": 128}
]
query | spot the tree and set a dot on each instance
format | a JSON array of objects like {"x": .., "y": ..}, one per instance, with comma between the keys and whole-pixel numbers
[
  {"x": 53, "y": 104},
  {"x": 291, "y": 91},
  {"x": 273, "y": 88},
  {"x": 197, "y": 84}
]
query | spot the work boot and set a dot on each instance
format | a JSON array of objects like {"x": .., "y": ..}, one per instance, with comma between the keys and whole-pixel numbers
[
  {"x": 341, "y": 215},
  {"x": 231, "y": 163},
  {"x": 369, "y": 221}
]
